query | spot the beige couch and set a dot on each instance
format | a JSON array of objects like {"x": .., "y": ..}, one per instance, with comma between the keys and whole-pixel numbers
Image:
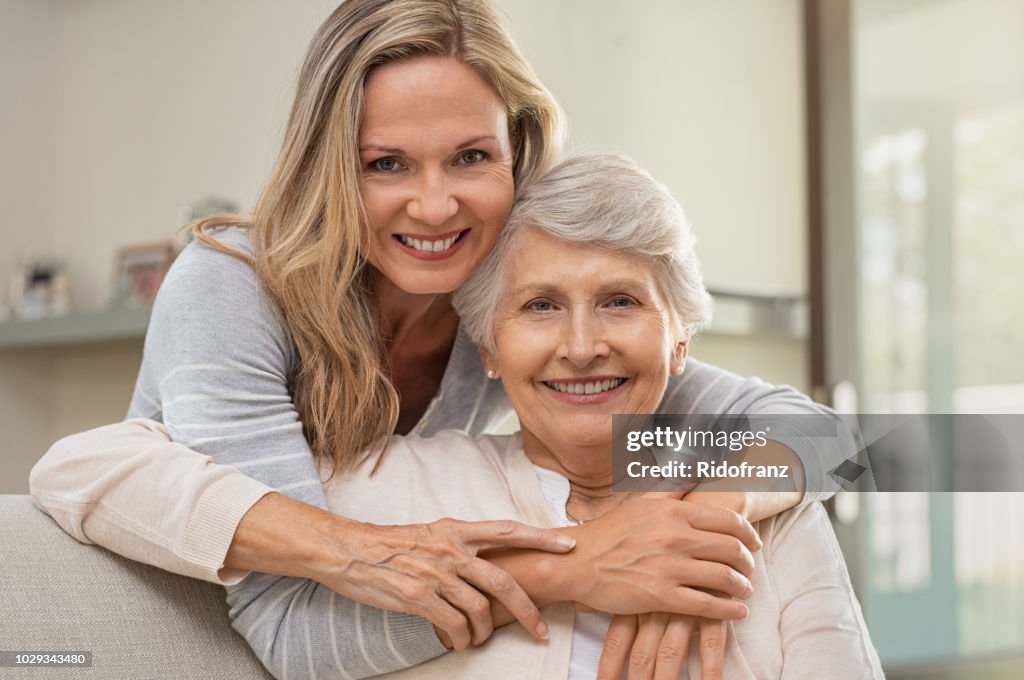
[{"x": 57, "y": 594}]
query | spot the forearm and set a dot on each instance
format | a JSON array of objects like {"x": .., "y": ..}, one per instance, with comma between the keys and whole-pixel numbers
[
  {"x": 302, "y": 629},
  {"x": 651, "y": 553},
  {"x": 546, "y": 577},
  {"x": 108, "y": 486},
  {"x": 757, "y": 498},
  {"x": 794, "y": 420},
  {"x": 283, "y": 536}
]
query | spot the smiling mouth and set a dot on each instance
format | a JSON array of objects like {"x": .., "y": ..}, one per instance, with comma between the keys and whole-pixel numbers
[
  {"x": 430, "y": 246},
  {"x": 594, "y": 387}
]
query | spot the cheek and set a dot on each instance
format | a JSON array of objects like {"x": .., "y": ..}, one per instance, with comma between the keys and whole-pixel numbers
[
  {"x": 494, "y": 202},
  {"x": 375, "y": 205},
  {"x": 523, "y": 353}
]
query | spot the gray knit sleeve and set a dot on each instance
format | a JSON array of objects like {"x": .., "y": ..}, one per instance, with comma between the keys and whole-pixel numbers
[
  {"x": 707, "y": 390},
  {"x": 217, "y": 370}
]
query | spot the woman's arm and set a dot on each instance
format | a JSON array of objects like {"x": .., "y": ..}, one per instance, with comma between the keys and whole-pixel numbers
[
  {"x": 109, "y": 486},
  {"x": 216, "y": 370},
  {"x": 822, "y": 629},
  {"x": 706, "y": 390},
  {"x": 651, "y": 553}
]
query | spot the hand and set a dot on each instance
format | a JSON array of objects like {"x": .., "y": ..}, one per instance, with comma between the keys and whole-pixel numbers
[
  {"x": 432, "y": 570},
  {"x": 656, "y": 646},
  {"x": 652, "y": 554}
]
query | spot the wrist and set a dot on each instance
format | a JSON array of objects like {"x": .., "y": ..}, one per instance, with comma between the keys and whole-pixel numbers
[
  {"x": 280, "y": 535},
  {"x": 566, "y": 577},
  {"x": 546, "y": 577}
]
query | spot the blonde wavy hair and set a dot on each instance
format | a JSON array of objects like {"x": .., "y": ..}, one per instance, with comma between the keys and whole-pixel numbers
[{"x": 309, "y": 228}]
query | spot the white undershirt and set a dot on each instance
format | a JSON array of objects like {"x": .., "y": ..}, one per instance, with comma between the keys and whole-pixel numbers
[{"x": 589, "y": 629}]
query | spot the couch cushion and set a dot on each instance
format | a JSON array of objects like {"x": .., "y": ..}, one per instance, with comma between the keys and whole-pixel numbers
[{"x": 57, "y": 594}]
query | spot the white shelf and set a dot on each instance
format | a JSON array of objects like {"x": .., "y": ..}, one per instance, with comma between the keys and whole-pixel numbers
[
  {"x": 736, "y": 314},
  {"x": 75, "y": 329},
  {"x": 757, "y": 314}
]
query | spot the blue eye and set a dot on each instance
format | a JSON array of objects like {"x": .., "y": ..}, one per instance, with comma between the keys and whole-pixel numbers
[
  {"x": 386, "y": 164},
  {"x": 621, "y": 302},
  {"x": 472, "y": 157},
  {"x": 539, "y": 306}
]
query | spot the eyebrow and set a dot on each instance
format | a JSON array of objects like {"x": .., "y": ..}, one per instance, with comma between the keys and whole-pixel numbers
[
  {"x": 549, "y": 288},
  {"x": 397, "y": 151}
]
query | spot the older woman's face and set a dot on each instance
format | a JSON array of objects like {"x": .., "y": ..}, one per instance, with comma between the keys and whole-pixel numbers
[
  {"x": 437, "y": 172},
  {"x": 581, "y": 334}
]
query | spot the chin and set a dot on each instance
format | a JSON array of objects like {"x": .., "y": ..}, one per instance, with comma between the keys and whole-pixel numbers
[
  {"x": 592, "y": 434},
  {"x": 430, "y": 284}
]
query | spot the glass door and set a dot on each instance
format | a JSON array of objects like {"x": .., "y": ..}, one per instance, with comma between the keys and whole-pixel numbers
[{"x": 938, "y": 256}]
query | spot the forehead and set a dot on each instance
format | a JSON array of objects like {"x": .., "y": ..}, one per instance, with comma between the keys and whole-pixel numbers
[
  {"x": 539, "y": 260},
  {"x": 429, "y": 95}
]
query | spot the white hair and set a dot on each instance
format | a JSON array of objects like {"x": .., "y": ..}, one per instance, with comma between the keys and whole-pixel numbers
[{"x": 605, "y": 200}]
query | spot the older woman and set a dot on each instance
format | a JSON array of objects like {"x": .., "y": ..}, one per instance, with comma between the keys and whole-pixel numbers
[
  {"x": 594, "y": 282},
  {"x": 323, "y": 322}
]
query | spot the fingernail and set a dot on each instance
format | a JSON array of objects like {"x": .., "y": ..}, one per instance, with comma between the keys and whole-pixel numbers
[
  {"x": 566, "y": 541},
  {"x": 542, "y": 630}
]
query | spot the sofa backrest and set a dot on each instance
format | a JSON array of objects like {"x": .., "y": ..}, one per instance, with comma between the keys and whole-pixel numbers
[{"x": 57, "y": 594}]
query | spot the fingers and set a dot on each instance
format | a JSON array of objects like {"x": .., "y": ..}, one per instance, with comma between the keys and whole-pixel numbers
[
  {"x": 473, "y": 605},
  {"x": 716, "y": 576},
  {"x": 712, "y": 649},
  {"x": 446, "y": 617},
  {"x": 727, "y": 550},
  {"x": 617, "y": 643},
  {"x": 644, "y": 655},
  {"x": 510, "y": 534},
  {"x": 722, "y": 521},
  {"x": 500, "y": 584},
  {"x": 683, "y": 600},
  {"x": 673, "y": 648}
]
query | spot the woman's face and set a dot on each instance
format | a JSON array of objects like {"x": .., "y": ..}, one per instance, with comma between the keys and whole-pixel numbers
[
  {"x": 580, "y": 334},
  {"x": 436, "y": 172}
]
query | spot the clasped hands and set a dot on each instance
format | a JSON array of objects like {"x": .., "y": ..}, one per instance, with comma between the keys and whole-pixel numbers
[
  {"x": 713, "y": 548},
  {"x": 663, "y": 566},
  {"x": 682, "y": 552}
]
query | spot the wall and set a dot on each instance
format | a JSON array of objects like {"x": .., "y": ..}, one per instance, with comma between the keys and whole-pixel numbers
[
  {"x": 129, "y": 110},
  {"x": 27, "y": 120}
]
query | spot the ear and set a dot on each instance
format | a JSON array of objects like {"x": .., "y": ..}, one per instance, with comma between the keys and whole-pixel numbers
[
  {"x": 490, "y": 364},
  {"x": 679, "y": 353}
]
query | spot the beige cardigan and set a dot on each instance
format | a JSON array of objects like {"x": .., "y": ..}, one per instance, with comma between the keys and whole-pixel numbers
[{"x": 804, "y": 619}]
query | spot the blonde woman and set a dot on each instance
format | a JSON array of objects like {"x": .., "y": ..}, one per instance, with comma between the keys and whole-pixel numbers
[{"x": 311, "y": 330}]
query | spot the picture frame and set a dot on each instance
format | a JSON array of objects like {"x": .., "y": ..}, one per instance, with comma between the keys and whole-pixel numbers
[{"x": 138, "y": 272}]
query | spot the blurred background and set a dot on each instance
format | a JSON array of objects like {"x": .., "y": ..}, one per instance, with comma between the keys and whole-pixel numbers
[{"x": 854, "y": 171}]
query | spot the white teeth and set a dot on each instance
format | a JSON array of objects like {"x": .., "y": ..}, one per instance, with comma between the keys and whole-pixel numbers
[
  {"x": 586, "y": 388},
  {"x": 428, "y": 246}
]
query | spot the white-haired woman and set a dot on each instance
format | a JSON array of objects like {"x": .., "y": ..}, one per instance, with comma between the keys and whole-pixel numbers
[
  {"x": 321, "y": 323},
  {"x": 613, "y": 305}
]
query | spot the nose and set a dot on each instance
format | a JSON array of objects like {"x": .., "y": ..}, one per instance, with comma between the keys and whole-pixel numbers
[
  {"x": 432, "y": 202},
  {"x": 584, "y": 339}
]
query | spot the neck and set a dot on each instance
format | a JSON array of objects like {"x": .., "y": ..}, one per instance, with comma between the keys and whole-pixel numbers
[
  {"x": 403, "y": 312},
  {"x": 588, "y": 469}
]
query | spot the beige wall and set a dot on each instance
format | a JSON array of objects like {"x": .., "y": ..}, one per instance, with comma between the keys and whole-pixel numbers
[{"x": 124, "y": 111}]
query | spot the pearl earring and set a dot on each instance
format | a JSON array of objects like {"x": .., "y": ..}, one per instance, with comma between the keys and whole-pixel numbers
[{"x": 492, "y": 375}]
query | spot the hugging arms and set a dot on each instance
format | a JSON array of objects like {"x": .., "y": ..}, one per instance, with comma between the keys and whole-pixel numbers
[
  {"x": 310, "y": 330},
  {"x": 285, "y": 618}
]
